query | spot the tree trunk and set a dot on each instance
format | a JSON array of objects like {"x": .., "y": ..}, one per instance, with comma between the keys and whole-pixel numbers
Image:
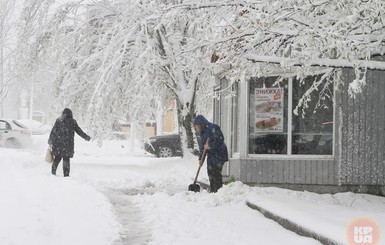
[
  {"x": 159, "y": 120},
  {"x": 185, "y": 120}
]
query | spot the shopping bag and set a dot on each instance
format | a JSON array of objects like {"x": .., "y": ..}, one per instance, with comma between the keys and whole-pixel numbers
[{"x": 49, "y": 156}]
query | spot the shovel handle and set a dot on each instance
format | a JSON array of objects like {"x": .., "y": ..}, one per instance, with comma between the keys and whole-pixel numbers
[
  {"x": 196, "y": 176},
  {"x": 200, "y": 166}
]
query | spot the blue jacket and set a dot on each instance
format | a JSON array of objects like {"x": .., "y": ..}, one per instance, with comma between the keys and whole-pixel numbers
[{"x": 218, "y": 150}]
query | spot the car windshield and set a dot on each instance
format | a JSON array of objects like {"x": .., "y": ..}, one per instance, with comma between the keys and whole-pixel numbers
[{"x": 19, "y": 124}]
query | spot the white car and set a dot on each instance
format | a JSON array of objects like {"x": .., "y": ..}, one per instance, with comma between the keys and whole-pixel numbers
[{"x": 13, "y": 134}]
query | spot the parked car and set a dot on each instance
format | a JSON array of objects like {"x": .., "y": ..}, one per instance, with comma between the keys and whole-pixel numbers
[
  {"x": 165, "y": 145},
  {"x": 13, "y": 134}
]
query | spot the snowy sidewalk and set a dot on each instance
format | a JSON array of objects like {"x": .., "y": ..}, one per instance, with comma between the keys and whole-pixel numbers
[
  {"x": 324, "y": 217},
  {"x": 38, "y": 208}
]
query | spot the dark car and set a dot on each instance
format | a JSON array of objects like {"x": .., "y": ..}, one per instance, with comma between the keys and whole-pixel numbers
[{"x": 165, "y": 145}]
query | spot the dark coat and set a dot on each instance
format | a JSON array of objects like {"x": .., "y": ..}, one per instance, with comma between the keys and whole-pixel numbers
[
  {"x": 63, "y": 133},
  {"x": 218, "y": 150}
]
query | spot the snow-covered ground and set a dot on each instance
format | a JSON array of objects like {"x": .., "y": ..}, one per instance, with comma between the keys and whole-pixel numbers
[
  {"x": 327, "y": 215},
  {"x": 38, "y": 208},
  {"x": 115, "y": 197}
]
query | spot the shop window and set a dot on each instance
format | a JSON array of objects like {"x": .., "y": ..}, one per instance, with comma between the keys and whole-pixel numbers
[
  {"x": 312, "y": 128},
  {"x": 4, "y": 125},
  {"x": 270, "y": 132},
  {"x": 226, "y": 103},
  {"x": 268, "y": 116}
]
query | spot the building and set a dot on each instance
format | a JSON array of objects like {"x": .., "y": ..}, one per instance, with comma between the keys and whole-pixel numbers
[
  {"x": 337, "y": 145},
  {"x": 166, "y": 123}
]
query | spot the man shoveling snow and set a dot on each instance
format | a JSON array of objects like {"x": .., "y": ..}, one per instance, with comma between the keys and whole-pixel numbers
[{"x": 211, "y": 139}]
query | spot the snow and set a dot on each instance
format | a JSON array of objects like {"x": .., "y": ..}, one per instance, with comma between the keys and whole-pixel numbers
[
  {"x": 30, "y": 123},
  {"x": 203, "y": 218},
  {"x": 37, "y": 208},
  {"x": 36, "y": 126},
  {"x": 328, "y": 215},
  {"x": 370, "y": 64},
  {"x": 114, "y": 59},
  {"x": 115, "y": 197}
]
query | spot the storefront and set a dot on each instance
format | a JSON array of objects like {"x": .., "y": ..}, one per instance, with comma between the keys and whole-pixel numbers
[{"x": 333, "y": 142}]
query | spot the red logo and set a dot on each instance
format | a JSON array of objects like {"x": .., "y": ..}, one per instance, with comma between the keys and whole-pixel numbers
[{"x": 363, "y": 231}]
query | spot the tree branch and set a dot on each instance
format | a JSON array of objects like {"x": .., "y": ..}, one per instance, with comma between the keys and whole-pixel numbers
[{"x": 337, "y": 63}]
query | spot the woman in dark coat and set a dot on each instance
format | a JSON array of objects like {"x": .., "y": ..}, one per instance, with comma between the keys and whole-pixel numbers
[{"x": 61, "y": 140}]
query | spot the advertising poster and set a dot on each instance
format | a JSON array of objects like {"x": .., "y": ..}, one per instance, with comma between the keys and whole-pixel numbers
[{"x": 269, "y": 110}]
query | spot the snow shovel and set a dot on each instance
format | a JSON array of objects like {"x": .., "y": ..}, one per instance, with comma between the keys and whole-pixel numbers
[{"x": 196, "y": 187}]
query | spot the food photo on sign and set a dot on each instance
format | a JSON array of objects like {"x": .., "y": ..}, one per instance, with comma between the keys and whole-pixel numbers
[{"x": 269, "y": 110}]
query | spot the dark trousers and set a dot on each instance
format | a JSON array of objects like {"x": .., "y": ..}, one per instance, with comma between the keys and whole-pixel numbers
[
  {"x": 215, "y": 176},
  {"x": 66, "y": 165}
]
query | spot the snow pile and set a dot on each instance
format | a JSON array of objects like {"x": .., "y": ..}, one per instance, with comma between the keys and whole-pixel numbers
[
  {"x": 204, "y": 218},
  {"x": 38, "y": 208},
  {"x": 146, "y": 174},
  {"x": 328, "y": 215}
]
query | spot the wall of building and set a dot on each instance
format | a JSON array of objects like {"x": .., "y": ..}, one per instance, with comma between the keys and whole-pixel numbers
[
  {"x": 362, "y": 131},
  {"x": 288, "y": 171},
  {"x": 168, "y": 121},
  {"x": 359, "y": 151}
]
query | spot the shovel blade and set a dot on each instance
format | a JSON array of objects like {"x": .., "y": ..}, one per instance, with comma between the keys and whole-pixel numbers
[{"x": 194, "y": 188}]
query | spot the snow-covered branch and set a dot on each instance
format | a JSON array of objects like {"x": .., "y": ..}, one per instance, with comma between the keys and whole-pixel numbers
[
  {"x": 114, "y": 55},
  {"x": 336, "y": 63}
]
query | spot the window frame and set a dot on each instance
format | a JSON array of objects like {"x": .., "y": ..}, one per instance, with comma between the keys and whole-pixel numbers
[
  {"x": 9, "y": 127},
  {"x": 289, "y": 154},
  {"x": 235, "y": 125},
  {"x": 217, "y": 106}
]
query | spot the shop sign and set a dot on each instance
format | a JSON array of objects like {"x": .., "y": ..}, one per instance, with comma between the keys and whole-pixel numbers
[{"x": 269, "y": 109}]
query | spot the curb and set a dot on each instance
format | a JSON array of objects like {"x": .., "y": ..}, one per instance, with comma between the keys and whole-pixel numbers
[{"x": 294, "y": 227}]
